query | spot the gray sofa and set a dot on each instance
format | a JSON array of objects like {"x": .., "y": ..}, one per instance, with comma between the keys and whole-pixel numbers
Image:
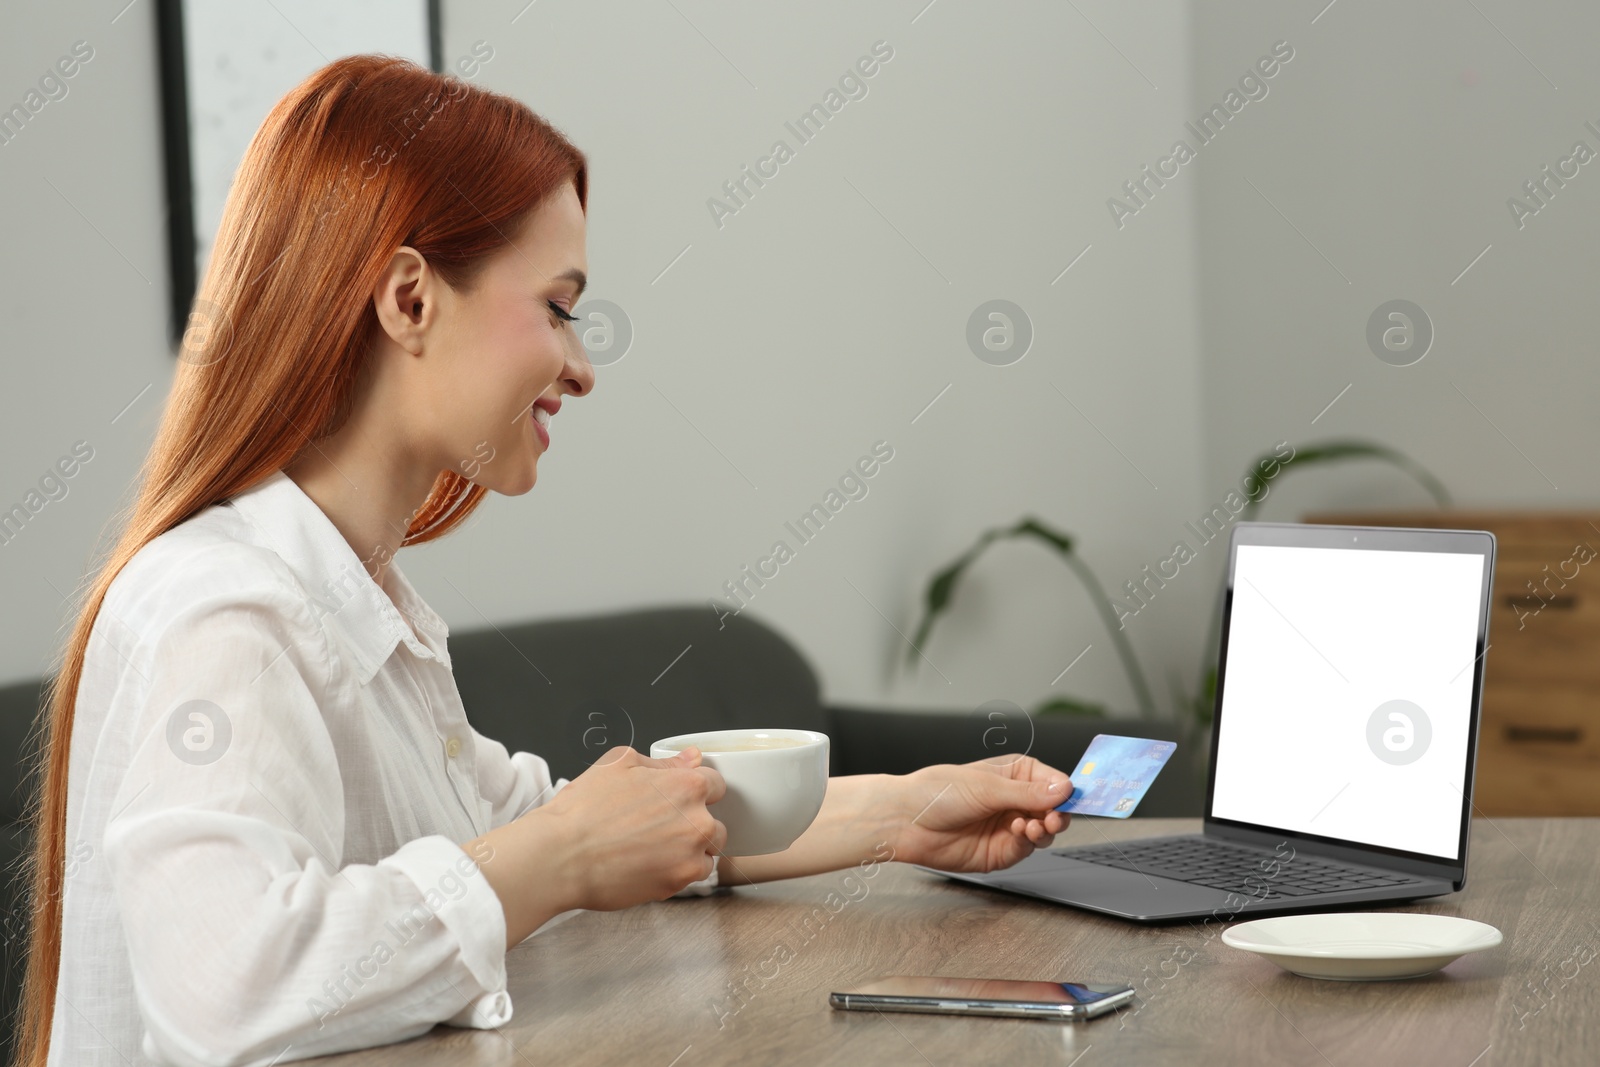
[{"x": 571, "y": 688}]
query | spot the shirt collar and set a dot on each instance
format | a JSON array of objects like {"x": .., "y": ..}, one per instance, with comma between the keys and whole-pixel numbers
[{"x": 342, "y": 593}]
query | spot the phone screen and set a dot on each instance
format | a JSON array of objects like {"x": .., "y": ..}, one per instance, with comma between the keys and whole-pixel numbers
[
  {"x": 984, "y": 997},
  {"x": 989, "y": 989}
]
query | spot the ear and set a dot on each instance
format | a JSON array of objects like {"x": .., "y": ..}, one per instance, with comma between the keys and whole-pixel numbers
[{"x": 406, "y": 298}]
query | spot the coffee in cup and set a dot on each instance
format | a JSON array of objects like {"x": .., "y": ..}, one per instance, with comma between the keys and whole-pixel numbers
[{"x": 746, "y": 744}]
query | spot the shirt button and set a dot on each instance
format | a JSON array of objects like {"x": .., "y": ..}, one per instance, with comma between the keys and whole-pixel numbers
[{"x": 452, "y": 747}]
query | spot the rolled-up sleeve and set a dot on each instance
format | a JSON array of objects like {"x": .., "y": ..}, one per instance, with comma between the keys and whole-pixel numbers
[
  {"x": 704, "y": 887},
  {"x": 250, "y": 941}
]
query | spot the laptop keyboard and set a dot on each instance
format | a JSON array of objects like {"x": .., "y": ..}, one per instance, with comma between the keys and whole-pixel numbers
[{"x": 1208, "y": 862}]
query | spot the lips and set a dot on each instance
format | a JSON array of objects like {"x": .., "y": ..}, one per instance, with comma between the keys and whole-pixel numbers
[{"x": 541, "y": 424}]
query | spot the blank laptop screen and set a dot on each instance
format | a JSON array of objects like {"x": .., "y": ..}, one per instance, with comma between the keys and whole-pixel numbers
[{"x": 1347, "y": 694}]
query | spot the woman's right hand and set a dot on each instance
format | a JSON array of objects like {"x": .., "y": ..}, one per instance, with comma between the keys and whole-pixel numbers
[{"x": 635, "y": 829}]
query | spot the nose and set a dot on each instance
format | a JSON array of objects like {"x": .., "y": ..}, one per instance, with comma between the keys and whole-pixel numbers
[{"x": 577, "y": 374}]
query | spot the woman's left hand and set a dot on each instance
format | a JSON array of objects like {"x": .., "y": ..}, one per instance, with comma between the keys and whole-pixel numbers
[{"x": 979, "y": 816}]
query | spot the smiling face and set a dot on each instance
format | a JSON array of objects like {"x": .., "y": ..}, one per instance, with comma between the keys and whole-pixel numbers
[{"x": 474, "y": 363}]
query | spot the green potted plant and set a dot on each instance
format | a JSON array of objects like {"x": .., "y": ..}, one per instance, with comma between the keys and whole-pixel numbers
[{"x": 1192, "y": 711}]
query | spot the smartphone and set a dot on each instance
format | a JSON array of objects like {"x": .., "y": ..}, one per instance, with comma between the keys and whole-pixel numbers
[{"x": 984, "y": 996}]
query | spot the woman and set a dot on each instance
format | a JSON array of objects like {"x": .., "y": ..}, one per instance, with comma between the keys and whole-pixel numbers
[{"x": 265, "y": 830}]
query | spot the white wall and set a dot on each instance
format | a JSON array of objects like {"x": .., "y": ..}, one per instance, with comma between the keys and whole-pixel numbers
[
  {"x": 83, "y": 292},
  {"x": 805, "y": 329},
  {"x": 1394, "y": 141}
]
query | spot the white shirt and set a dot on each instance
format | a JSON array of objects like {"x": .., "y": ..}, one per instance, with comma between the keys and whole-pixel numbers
[{"x": 271, "y": 780}]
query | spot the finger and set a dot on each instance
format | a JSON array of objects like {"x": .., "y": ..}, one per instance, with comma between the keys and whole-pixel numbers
[
  {"x": 1042, "y": 772},
  {"x": 1021, "y": 768},
  {"x": 719, "y": 836},
  {"x": 1005, "y": 765},
  {"x": 1030, "y": 829},
  {"x": 1032, "y": 769},
  {"x": 686, "y": 757},
  {"x": 1041, "y": 795},
  {"x": 716, "y": 785}
]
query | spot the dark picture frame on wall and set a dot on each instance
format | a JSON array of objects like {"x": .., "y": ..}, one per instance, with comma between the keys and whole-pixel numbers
[{"x": 192, "y": 188}]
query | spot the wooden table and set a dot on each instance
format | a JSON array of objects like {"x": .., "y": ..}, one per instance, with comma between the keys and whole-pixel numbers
[{"x": 657, "y": 986}]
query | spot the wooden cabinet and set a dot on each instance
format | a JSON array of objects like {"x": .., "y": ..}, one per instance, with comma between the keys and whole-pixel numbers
[{"x": 1539, "y": 735}]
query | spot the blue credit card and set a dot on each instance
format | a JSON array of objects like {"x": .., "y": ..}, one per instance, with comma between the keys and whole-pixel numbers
[{"x": 1114, "y": 775}]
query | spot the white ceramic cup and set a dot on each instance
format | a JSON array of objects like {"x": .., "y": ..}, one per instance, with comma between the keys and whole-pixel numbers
[{"x": 773, "y": 793}]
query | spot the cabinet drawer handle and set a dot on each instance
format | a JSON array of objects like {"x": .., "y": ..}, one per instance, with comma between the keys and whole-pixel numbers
[
  {"x": 1561, "y": 602},
  {"x": 1566, "y": 735}
]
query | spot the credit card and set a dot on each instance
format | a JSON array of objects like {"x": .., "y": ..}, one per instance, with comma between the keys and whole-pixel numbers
[{"x": 1114, "y": 775}]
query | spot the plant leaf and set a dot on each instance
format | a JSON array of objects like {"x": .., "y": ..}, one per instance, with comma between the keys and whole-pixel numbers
[
  {"x": 1336, "y": 451},
  {"x": 942, "y": 588},
  {"x": 1031, "y": 525}
]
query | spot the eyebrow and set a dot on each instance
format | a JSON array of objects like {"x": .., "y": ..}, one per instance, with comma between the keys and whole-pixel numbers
[{"x": 573, "y": 274}]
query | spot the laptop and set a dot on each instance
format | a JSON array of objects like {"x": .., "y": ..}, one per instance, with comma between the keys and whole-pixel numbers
[{"x": 1345, "y": 731}]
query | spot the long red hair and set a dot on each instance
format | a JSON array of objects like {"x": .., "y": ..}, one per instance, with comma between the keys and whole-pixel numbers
[{"x": 367, "y": 154}]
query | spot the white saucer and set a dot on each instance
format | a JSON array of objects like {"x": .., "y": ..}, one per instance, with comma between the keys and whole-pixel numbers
[{"x": 1362, "y": 946}]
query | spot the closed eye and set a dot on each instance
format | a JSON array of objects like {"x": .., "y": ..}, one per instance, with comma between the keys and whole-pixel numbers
[{"x": 561, "y": 312}]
